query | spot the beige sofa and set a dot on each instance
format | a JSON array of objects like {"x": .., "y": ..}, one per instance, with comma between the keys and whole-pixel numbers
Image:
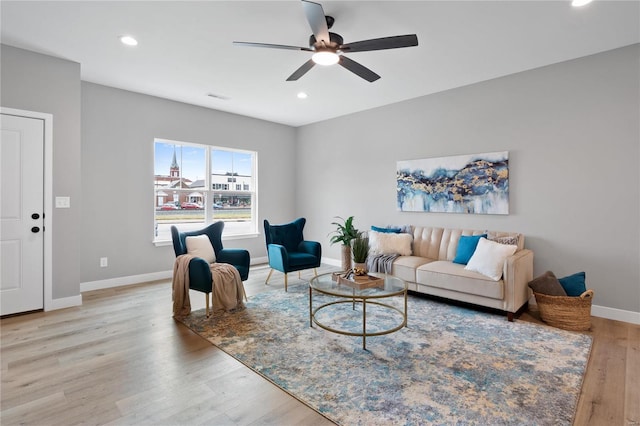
[{"x": 430, "y": 270}]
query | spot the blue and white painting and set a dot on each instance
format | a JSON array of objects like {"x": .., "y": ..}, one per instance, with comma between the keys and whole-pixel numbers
[{"x": 476, "y": 184}]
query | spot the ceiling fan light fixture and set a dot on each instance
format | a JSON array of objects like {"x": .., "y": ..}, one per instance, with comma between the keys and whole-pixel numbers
[{"x": 325, "y": 57}]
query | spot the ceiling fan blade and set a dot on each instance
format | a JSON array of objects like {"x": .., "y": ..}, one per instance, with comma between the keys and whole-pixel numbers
[
  {"x": 359, "y": 70},
  {"x": 381, "y": 43},
  {"x": 301, "y": 71},
  {"x": 272, "y": 46},
  {"x": 317, "y": 20}
]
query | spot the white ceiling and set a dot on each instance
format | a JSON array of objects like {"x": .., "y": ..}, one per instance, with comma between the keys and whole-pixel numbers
[{"x": 185, "y": 49}]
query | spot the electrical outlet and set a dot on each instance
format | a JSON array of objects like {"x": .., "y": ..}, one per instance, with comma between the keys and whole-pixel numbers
[{"x": 104, "y": 262}]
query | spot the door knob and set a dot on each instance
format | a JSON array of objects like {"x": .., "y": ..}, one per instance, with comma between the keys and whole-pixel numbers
[
  {"x": 35, "y": 229},
  {"x": 35, "y": 216}
]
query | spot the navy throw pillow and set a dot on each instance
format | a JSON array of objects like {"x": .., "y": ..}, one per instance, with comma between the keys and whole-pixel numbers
[
  {"x": 574, "y": 285},
  {"x": 466, "y": 247}
]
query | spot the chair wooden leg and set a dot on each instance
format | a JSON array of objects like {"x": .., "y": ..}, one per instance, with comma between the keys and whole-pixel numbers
[
  {"x": 285, "y": 282},
  {"x": 244, "y": 293},
  {"x": 268, "y": 276},
  {"x": 315, "y": 272},
  {"x": 206, "y": 296},
  {"x": 299, "y": 274}
]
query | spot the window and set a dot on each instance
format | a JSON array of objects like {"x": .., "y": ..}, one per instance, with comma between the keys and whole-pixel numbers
[{"x": 191, "y": 188}]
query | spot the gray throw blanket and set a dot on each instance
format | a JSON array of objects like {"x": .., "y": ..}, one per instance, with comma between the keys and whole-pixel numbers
[{"x": 381, "y": 262}]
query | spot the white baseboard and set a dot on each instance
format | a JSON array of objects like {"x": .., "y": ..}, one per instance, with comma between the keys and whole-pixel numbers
[
  {"x": 615, "y": 314},
  {"x": 332, "y": 262},
  {"x": 142, "y": 278},
  {"x": 121, "y": 281},
  {"x": 64, "y": 302},
  {"x": 259, "y": 260}
]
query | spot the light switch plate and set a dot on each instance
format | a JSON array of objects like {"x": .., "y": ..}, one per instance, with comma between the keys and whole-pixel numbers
[{"x": 63, "y": 202}]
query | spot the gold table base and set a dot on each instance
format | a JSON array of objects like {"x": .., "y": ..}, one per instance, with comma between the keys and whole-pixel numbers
[{"x": 364, "y": 300}]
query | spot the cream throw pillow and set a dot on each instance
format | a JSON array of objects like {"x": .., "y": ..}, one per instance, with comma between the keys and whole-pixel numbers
[
  {"x": 390, "y": 243},
  {"x": 200, "y": 246},
  {"x": 489, "y": 257}
]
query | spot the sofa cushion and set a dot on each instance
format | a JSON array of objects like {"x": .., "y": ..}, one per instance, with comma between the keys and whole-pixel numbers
[
  {"x": 453, "y": 276},
  {"x": 404, "y": 267},
  {"x": 200, "y": 246},
  {"x": 574, "y": 284},
  {"x": 404, "y": 229},
  {"x": 489, "y": 257},
  {"x": 547, "y": 283},
  {"x": 466, "y": 246},
  {"x": 387, "y": 230},
  {"x": 509, "y": 240},
  {"x": 389, "y": 243},
  {"x": 301, "y": 259}
]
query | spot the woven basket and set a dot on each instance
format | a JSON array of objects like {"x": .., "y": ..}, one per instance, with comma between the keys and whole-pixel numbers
[{"x": 568, "y": 313}]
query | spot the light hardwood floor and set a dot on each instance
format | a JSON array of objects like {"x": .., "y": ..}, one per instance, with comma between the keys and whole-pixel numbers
[{"x": 120, "y": 358}]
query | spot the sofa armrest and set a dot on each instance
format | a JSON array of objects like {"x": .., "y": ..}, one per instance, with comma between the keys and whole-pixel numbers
[
  {"x": 234, "y": 256},
  {"x": 239, "y": 258},
  {"x": 278, "y": 257},
  {"x": 199, "y": 275},
  {"x": 311, "y": 247},
  {"x": 517, "y": 272}
]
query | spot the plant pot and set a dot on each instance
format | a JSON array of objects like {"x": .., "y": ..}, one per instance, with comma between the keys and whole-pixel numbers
[
  {"x": 357, "y": 267},
  {"x": 346, "y": 258}
]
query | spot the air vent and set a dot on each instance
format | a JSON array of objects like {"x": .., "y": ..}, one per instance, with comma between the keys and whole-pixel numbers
[{"x": 215, "y": 96}]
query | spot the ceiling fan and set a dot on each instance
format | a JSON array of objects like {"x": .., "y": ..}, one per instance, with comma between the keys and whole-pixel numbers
[{"x": 329, "y": 48}]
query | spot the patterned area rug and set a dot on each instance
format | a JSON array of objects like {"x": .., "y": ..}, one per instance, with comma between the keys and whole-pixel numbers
[{"x": 450, "y": 365}]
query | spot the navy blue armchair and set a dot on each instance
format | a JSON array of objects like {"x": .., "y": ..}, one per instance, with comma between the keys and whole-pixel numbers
[
  {"x": 287, "y": 249},
  {"x": 199, "y": 272}
]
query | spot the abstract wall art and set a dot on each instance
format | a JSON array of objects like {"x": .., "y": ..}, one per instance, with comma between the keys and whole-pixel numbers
[{"x": 476, "y": 184}]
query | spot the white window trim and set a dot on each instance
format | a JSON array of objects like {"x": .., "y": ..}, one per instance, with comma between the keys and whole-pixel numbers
[{"x": 208, "y": 210}]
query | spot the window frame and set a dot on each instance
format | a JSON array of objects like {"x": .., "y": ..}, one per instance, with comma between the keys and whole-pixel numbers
[{"x": 208, "y": 191}]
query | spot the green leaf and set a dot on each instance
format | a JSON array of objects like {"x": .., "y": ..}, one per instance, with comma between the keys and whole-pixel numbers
[{"x": 344, "y": 232}]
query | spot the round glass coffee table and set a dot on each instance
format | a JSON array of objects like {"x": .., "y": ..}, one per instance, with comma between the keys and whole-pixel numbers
[{"x": 372, "y": 292}]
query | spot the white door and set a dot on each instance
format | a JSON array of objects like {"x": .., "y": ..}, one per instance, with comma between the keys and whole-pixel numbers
[{"x": 21, "y": 214}]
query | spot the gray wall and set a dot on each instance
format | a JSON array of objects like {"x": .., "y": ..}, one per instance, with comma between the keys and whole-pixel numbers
[
  {"x": 46, "y": 84},
  {"x": 118, "y": 129},
  {"x": 572, "y": 132}
]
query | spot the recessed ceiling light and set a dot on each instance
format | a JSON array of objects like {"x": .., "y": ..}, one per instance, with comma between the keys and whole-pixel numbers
[
  {"x": 302, "y": 95},
  {"x": 128, "y": 40},
  {"x": 578, "y": 3}
]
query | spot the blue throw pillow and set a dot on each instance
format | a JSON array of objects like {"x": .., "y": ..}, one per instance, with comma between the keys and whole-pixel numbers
[
  {"x": 574, "y": 285},
  {"x": 386, "y": 230},
  {"x": 466, "y": 247}
]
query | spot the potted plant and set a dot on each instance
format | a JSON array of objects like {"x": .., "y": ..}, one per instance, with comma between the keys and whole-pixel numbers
[
  {"x": 344, "y": 233},
  {"x": 360, "y": 249}
]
